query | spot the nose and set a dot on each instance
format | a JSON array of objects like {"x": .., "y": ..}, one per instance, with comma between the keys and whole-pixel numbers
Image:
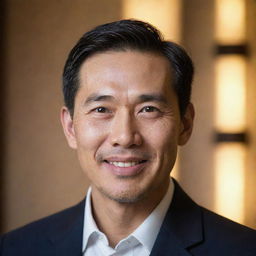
[{"x": 124, "y": 130}]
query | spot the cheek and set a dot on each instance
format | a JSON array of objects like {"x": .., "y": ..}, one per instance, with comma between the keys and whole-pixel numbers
[
  {"x": 90, "y": 134},
  {"x": 161, "y": 135}
]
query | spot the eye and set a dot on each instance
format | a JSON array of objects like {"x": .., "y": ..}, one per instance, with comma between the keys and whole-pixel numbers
[
  {"x": 149, "y": 109},
  {"x": 101, "y": 110}
]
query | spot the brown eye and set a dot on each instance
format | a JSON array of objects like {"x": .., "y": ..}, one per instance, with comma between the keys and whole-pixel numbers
[
  {"x": 149, "y": 109},
  {"x": 101, "y": 110}
]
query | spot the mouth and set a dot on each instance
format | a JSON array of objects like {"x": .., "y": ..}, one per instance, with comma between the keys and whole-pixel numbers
[
  {"x": 125, "y": 167},
  {"x": 125, "y": 163}
]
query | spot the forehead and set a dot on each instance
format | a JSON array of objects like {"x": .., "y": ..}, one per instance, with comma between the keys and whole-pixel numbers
[{"x": 127, "y": 72}]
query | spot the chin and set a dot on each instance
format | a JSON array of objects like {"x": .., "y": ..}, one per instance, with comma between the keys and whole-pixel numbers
[{"x": 125, "y": 196}]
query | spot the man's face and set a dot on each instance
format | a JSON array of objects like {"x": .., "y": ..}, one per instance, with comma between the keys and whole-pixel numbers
[{"x": 126, "y": 124}]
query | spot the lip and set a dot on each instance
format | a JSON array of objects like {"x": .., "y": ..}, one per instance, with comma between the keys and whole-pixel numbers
[
  {"x": 125, "y": 171},
  {"x": 124, "y": 159}
]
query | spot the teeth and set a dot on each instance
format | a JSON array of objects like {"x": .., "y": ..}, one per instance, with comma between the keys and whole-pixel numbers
[{"x": 124, "y": 164}]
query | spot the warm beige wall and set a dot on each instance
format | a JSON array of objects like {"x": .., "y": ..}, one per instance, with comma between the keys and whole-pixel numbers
[{"x": 41, "y": 173}]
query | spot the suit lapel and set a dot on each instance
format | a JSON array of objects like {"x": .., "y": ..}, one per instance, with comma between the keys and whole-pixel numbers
[
  {"x": 67, "y": 233},
  {"x": 182, "y": 226},
  {"x": 181, "y": 229}
]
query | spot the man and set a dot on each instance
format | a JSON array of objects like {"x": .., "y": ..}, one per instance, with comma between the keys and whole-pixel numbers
[{"x": 127, "y": 108}]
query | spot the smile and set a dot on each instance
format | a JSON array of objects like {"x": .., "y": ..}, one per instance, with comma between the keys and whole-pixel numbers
[{"x": 124, "y": 164}]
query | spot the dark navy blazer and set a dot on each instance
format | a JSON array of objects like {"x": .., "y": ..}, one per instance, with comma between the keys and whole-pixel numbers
[{"x": 188, "y": 229}]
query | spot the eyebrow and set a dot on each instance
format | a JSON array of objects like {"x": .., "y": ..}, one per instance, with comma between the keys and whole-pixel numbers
[
  {"x": 142, "y": 98},
  {"x": 152, "y": 97},
  {"x": 98, "y": 97}
]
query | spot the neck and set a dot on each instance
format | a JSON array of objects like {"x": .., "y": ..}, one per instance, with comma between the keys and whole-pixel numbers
[{"x": 118, "y": 220}]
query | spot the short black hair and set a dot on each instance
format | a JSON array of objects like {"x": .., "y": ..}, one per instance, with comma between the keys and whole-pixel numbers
[{"x": 128, "y": 35}]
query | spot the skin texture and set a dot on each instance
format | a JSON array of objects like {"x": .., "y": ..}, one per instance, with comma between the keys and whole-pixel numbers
[{"x": 126, "y": 111}]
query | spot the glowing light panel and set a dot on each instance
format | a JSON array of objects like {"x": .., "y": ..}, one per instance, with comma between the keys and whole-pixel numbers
[
  {"x": 230, "y": 93},
  {"x": 230, "y": 109},
  {"x": 164, "y": 14},
  {"x": 230, "y": 164},
  {"x": 230, "y": 21}
]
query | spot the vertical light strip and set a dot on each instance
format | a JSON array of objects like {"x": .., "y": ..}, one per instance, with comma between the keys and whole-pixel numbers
[
  {"x": 230, "y": 21},
  {"x": 164, "y": 14},
  {"x": 230, "y": 93},
  {"x": 230, "y": 109},
  {"x": 230, "y": 161}
]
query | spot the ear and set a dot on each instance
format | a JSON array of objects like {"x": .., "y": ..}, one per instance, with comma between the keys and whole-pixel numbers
[
  {"x": 186, "y": 125},
  {"x": 68, "y": 127}
]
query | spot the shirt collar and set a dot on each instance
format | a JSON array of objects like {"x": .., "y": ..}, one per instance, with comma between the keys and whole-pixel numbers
[
  {"x": 144, "y": 232},
  {"x": 89, "y": 224},
  {"x": 154, "y": 221}
]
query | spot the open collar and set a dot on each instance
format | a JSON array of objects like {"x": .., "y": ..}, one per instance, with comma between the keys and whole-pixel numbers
[{"x": 143, "y": 233}]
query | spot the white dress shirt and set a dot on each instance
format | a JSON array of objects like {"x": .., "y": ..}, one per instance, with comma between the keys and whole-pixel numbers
[{"x": 140, "y": 242}]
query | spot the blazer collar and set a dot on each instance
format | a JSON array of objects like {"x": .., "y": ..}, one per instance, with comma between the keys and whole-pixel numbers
[
  {"x": 67, "y": 231},
  {"x": 182, "y": 226}
]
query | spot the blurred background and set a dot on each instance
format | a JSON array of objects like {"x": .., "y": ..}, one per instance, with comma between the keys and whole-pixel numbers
[{"x": 40, "y": 175}]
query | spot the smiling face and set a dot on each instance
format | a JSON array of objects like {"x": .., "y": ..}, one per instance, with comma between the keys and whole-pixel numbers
[{"x": 126, "y": 124}]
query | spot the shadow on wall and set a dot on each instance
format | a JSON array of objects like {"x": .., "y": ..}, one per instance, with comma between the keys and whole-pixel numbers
[{"x": 2, "y": 104}]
